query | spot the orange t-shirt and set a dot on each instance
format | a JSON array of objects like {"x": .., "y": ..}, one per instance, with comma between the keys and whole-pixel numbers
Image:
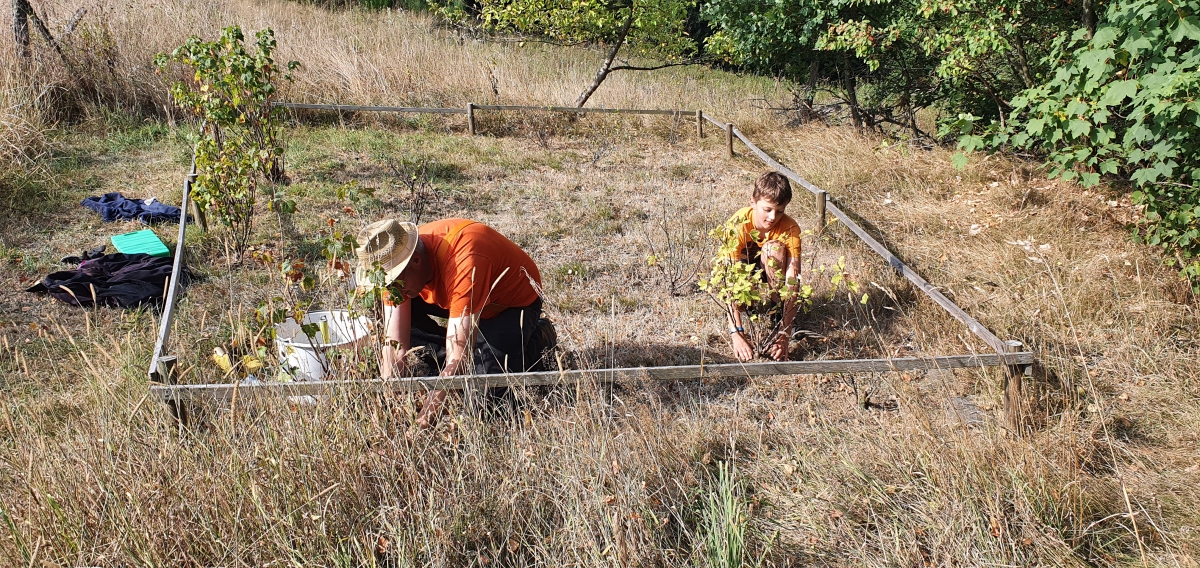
[
  {"x": 469, "y": 274},
  {"x": 786, "y": 231}
]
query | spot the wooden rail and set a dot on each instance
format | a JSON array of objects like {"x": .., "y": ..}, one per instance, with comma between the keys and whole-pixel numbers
[
  {"x": 361, "y": 108},
  {"x": 584, "y": 110},
  {"x": 164, "y": 324},
  {"x": 225, "y": 392}
]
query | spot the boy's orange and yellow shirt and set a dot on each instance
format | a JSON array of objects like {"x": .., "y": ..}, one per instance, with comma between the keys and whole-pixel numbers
[{"x": 785, "y": 231}]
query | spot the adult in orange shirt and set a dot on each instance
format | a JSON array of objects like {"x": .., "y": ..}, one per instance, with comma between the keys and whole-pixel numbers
[
  {"x": 466, "y": 272},
  {"x": 769, "y": 239}
]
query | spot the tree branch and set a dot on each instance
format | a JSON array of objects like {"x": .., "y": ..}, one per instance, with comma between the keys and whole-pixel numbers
[
  {"x": 541, "y": 40},
  {"x": 606, "y": 67},
  {"x": 652, "y": 67}
]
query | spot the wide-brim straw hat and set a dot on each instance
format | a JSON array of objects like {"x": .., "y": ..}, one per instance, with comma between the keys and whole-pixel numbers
[{"x": 390, "y": 243}]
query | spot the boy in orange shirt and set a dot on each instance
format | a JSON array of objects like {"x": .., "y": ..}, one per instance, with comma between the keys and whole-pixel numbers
[{"x": 770, "y": 239}]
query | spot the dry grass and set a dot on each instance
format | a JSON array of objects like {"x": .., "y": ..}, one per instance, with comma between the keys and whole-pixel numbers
[
  {"x": 95, "y": 473},
  {"x": 22, "y": 128},
  {"x": 357, "y": 57}
]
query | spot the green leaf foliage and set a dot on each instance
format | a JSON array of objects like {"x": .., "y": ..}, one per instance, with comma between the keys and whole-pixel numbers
[
  {"x": 657, "y": 28},
  {"x": 1124, "y": 103},
  {"x": 890, "y": 58}
]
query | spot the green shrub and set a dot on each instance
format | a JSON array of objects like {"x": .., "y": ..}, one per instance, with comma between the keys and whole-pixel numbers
[
  {"x": 1123, "y": 103},
  {"x": 230, "y": 92}
]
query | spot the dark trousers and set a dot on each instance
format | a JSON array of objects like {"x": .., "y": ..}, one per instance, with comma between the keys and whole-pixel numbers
[{"x": 500, "y": 342}]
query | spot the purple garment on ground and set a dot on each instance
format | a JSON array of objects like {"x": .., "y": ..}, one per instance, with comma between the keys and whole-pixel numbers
[
  {"x": 124, "y": 280},
  {"x": 114, "y": 206}
]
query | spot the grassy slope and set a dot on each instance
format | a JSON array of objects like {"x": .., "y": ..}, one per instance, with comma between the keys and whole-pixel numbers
[{"x": 95, "y": 474}]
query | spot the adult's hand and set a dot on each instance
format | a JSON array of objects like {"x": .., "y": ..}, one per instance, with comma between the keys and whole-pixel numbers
[{"x": 741, "y": 347}]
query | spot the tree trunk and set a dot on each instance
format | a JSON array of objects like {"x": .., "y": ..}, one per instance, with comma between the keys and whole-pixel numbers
[
  {"x": 814, "y": 67},
  {"x": 20, "y": 11},
  {"x": 608, "y": 61},
  {"x": 45, "y": 32},
  {"x": 1089, "y": 17},
  {"x": 1022, "y": 61},
  {"x": 850, "y": 85}
]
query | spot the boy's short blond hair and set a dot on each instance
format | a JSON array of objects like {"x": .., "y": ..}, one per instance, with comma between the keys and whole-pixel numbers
[{"x": 773, "y": 187}]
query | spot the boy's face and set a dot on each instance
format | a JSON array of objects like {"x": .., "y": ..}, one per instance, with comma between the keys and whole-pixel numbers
[{"x": 766, "y": 213}]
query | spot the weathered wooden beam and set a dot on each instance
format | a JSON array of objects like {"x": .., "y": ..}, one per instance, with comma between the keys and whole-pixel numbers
[
  {"x": 1014, "y": 400},
  {"x": 164, "y": 324},
  {"x": 438, "y": 110},
  {"x": 225, "y": 392},
  {"x": 582, "y": 110},
  {"x": 822, "y": 199},
  {"x": 363, "y": 108}
]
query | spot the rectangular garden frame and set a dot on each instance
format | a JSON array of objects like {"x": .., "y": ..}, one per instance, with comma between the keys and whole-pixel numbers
[{"x": 1017, "y": 363}]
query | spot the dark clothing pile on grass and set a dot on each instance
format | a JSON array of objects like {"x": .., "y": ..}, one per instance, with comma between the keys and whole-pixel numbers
[
  {"x": 114, "y": 207},
  {"x": 122, "y": 280}
]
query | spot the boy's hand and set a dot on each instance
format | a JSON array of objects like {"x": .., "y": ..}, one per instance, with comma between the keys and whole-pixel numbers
[
  {"x": 741, "y": 348},
  {"x": 779, "y": 347}
]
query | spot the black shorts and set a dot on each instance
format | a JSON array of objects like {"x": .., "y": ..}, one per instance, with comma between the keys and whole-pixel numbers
[{"x": 502, "y": 344}]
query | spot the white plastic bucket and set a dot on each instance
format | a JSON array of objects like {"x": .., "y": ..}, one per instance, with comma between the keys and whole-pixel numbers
[{"x": 304, "y": 356}]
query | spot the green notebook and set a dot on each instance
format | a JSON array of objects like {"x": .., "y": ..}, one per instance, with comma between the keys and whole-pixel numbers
[{"x": 143, "y": 242}]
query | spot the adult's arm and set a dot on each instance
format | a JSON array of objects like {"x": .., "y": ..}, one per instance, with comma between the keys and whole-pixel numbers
[
  {"x": 459, "y": 335},
  {"x": 399, "y": 338}
]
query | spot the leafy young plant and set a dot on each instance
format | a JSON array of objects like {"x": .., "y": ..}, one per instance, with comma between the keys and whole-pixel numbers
[
  {"x": 231, "y": 91},
  {"x": 732, "y": 282},
  {"x": 735, "y": 284}
]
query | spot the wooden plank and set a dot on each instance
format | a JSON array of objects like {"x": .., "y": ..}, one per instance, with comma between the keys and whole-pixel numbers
[
  {"x": 1014, "y": 400},
  {"x": 362, "y": 108},
  {"x": 582, "y": 110},
  {"x": 822, "y": 203},
  {"x": 225, "y": 392},
  {"x": 972, "y": 324},
  {"x": 164, "y": 324}
]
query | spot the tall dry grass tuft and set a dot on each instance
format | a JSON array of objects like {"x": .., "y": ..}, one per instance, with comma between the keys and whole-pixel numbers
[{"x": 22, "y": 123}]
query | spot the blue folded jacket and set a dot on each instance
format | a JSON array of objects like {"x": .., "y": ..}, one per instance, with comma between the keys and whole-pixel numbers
[{"x": 114, "y": 206}]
